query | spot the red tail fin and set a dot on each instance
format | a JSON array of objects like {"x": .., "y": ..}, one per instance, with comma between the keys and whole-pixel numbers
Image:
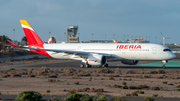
[{"x": 32, "y": 37}]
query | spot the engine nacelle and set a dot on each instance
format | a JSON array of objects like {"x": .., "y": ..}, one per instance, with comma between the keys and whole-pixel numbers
[
  {"x": 97, "y": 60},
  {"x": 130, "y": 62}
]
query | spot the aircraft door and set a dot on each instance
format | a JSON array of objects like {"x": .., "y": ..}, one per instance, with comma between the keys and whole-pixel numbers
[
  {"x": 79, "y": 48},
  {"x": 154, "y": 50},
  {"x": 123, "y": 51}
]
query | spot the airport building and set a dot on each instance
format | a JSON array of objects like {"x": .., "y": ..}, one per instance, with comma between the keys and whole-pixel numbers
[{"x": 71, "y": 34}]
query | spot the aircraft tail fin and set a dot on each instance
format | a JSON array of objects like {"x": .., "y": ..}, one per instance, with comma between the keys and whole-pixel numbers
[
  {"x": 114, "y": 41},
  {"x": 32, "y": 37}
]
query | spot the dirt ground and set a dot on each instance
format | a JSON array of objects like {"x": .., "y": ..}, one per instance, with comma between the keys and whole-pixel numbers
[{"x": 157, "y": 83}]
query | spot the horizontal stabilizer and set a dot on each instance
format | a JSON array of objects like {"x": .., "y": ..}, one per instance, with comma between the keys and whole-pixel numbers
[{"x": 12, "y": 44}]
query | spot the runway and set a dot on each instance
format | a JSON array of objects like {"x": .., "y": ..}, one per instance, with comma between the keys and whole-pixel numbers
[{"x": 60, "y": 64}]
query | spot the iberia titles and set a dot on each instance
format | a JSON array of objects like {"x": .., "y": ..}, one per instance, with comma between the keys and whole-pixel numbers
[{"x": 128, "y": 47}]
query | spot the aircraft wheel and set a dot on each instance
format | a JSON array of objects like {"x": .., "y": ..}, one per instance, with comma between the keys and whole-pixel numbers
[
  {"x": 89, "y": 66},
  {"x": 106, "y": 65},
  {"x": 81, "y": 65},
  {"x": 86, "y": 65},
  {"x": 163, "y": 66}
]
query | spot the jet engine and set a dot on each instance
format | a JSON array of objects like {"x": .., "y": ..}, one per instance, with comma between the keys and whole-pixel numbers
[
  {"x": 130, "y": 62},
  {"x": 96, "y": 59}
]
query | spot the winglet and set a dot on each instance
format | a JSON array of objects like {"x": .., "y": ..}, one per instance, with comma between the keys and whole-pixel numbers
[{"x": 12, "y": 43}]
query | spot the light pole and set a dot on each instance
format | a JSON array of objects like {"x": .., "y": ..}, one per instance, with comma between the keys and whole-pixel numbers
[
  {"x": 114, "y": 36},
  {"x": 92, "y": 36},
  {"x": 49, "y": 34},
  {"x": 13, "y": 35},
  {"x": 78, "y": 37},
  {"x": 64, "y": 36}
]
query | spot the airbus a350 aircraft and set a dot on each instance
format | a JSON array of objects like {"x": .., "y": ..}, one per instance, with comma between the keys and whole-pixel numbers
[{"x": 97, "y": 54}]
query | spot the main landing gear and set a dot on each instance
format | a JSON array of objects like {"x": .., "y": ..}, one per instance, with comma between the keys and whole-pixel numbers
[
  {"x": 164, "y": 63},
  {"x": 89, "y": 66},
  {"x": 85, "y": 65}
]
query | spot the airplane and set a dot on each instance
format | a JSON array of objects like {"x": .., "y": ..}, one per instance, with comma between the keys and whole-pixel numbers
[{"x": 96, "y": 54}]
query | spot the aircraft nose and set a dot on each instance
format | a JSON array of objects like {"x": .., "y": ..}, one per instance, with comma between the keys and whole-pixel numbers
[{"x": 172, "y": 55}]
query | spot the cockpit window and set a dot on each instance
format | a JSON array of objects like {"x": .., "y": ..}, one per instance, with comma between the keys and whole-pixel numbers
[{"x": 166, "y": 50}]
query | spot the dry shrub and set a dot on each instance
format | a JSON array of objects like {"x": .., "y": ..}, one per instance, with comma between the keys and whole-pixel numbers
[
  {"x": 44, "y": 70},
  {"x": 84, "y": 74},
  {"x": 140, "y": 92},
  {"x": 124, "y": 83},
  {"x": 76, "y": 77},
  {"x": 157, "y": 71},
  {"x": 111, "y": 78},
  {"x": 76, "y": 83},
  {"x": 170, "y": 84},
  {"x": 143, "y": 71},
  {"x": 117, "y": 71},
  {"x": 101, "y": 94},
  {"x": 160, "y": 77},
  {"x": 31, "y": 76},
  {"x": 109, "y": 86},
  {"x": 53, "y": 76},
  {"x": 90, "y": 78},
  {"x": 103, "y": 70},
  {"x": 125, "y": 79},
  {"x": 71, "y": 91},
  {"x": 96, "y": 90},
  {"x": 114, "y": 75},
  {"x": 35, "y": 57},
  {"x": 134, "y": 94},
  {"x": 129, "y": 71},
  {"x": 5, "y": 75},
  {"x": 124, "y": 87},
  {"x": 15, "y": 75},
  {"x": 86, "y": 89},
  {"x": 164, "y": 82},
  {"x": 51, "y": 80},
  {"x": 142, "y": 87},
  {"x": 132, "y": 87},
  {"x": 69, "y": 72},
  {"x": 155, "y": 95},
  {"x": 155, "y": 88},
  {"x": 30, "y": 70},
  {"x": 145, "y": 76},
  {"x": 178, "y": 86},
  {"x": 117, "y": 86}
]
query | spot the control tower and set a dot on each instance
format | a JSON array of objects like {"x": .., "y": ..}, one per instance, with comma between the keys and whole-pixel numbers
[{"x": 71, "y": 34}]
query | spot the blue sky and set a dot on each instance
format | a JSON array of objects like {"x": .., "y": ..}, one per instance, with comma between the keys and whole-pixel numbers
[{"x": 120, "y": 17}]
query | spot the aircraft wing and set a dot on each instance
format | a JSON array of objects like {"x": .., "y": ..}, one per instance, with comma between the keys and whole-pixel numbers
[
  {"x": 72, "y": 52},
  {"x": 81, "y": 53}
]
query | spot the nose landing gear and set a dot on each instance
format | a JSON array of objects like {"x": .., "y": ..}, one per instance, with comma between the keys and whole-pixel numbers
[{"x": 164, "y": 63}]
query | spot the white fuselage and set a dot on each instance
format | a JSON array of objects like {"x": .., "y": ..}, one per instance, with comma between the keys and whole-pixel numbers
[{"x": 121, "y": 51}]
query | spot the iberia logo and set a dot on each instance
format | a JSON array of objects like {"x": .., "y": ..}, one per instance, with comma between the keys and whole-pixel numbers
[
  {"x": 128, "y": 47},
  {"x": 93, "y": 60}
]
